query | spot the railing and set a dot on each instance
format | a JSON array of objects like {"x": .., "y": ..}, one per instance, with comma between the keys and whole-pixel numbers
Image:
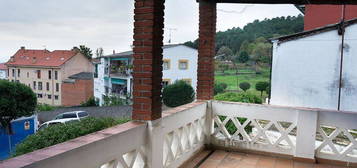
[{"x": 181, "y": 132}]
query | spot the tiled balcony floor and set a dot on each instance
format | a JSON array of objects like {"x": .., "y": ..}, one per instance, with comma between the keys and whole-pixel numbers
[{"x": 222, "y": 159}]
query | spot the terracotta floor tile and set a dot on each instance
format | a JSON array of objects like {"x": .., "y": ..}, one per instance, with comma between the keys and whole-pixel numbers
[
  {"x": 218, "y": 155},
  {"x": 322, "y": 166},
  {"x": 210, "y": 164},
  {"x": 284, "y": 163},
  {"x": 245, "y": 165},
  {"x": 236, "y": 155},
  {"x": 266, "y": 162},
  {"x": 229, "y": 162},
  {"x": 251, "y": 159},
  {"x": 303, "y": 165}
]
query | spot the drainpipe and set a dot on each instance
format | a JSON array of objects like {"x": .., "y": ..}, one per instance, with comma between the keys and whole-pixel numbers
[{"x": 341, "y": 31}]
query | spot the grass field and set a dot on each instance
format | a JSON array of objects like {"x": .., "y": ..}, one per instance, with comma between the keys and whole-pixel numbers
[{"x": 247, "y": 75}]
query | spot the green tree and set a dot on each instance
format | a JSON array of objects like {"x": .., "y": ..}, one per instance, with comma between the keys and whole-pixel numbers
[
  {"x": 16, "y": 100},
  {"x": 219, "y": 88},
  {"x": 261, "y": 86},
  {"x": 99, "y": 52},
  {"x": 177, "y": 94},
  {"x": 243, "y": 57},
  {"x": 225, "y": 53},
  {"x": 86, "y": 51},
  {"x": 244, "y": 86}
]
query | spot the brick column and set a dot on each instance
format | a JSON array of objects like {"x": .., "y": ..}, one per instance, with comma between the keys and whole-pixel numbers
[
  {"x": 206, "y": 49},
  {"x": 147, "y": 75}
]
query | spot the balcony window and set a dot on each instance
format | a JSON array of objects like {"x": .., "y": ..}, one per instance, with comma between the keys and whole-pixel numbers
[
  {"x": 49, "y": 74},
  {"x": 39, "y": 85},
  {"x": 183, "y": 64},
  {"x": 34, "y": 85},
  {"x": 18, "y": 72},
  {"x": 47, "y": 86},
  {"x": 57, "y": 87},
  {"x": 166, "y": 64},
  {"x": 56, "y": 75},
  {"x": 96, "y": 71},
  {"x": 13, "y": 73},
  {"x": 38, "y": 74},
  {"x": 49, "y": 96}
]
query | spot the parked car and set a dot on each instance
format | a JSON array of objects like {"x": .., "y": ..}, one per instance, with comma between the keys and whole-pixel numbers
[
  {"x": 73, "y": 114},
  {"x": 55, "y": 122}
]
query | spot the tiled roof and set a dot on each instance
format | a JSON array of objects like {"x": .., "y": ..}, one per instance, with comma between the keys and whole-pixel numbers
[
  {"x": 25, "y": 57},
  {"x": 3, "y": 66},
  {"x": 82, "y": 75}
]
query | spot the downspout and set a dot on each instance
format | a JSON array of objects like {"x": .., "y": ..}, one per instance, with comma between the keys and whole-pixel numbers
[{"x": 341, "y": 31}]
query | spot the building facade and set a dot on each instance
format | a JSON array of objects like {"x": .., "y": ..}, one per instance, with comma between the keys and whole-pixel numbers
[
  {"x": 3, "y": 71},
  {"x": 44, "y": 71},
  {"x": 322, "y": 15},
  {"x": 312, "y": 69},
  {"x": 113, "y": 74},
  {"x": 77, "y": 89}
]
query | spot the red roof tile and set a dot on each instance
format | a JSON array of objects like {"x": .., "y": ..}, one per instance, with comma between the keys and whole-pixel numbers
[
  {"x": 24, "y": 57},
  {"x": 3, "y": 66}
]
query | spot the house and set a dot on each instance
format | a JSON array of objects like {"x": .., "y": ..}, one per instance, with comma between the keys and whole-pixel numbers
[
  {"x": 77, "y": 89},
  {"x": 44, "y": 71},
  {"x": 113, "y": 75},
  {"x": 311, "y": 69},
  {"x": 3, "y": 71},
  {"x": 321, "y": 15}
]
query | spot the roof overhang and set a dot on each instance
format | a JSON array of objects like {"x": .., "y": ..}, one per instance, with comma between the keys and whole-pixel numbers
[{"x": 299, "y": 2}]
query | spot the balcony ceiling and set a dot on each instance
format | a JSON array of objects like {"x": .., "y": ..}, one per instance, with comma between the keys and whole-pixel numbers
[{"x": 289, "y": 1}]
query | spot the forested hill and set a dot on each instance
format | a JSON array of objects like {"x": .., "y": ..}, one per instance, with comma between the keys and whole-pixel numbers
[{"x": 268, "y": 28}]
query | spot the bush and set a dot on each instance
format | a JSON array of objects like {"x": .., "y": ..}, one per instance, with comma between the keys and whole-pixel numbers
[
  {"x": 45, "y": 107},
  {"x": 114, "y": 101},
  {"x": 261, "y": 86},
  {"x": 244, "y": 97},
  {"x": 219, "y": 88},
  {"x": 177, "y": 94},
  {"x": 63, "y": 132},
  {"x": 90, "y": 102},
  {"x": 244, "y": 86}
]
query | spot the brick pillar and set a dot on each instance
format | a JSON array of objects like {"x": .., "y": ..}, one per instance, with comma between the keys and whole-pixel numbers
[
  {"x": 206, "y": 49},
  {"x": 147, "y": 76}
]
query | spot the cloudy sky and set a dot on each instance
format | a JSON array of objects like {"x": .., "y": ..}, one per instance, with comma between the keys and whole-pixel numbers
[{"x": 54, "y": 24}]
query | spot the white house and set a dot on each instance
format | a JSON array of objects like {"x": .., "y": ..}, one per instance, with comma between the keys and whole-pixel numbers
[
  {"x": 3, "y": 71},
  {"x": 113, "y": 72},
  {"x": 312, "y": 69}
]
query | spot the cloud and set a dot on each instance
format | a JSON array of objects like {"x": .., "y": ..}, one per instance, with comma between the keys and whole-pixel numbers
[{"x": 109, "y": 23}]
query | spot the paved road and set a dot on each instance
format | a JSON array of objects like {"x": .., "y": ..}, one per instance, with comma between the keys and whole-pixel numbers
[{"x": 112, "y": 111}]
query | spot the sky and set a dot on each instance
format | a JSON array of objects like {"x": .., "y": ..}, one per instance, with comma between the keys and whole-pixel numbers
[{"x": 58, "y": 25}]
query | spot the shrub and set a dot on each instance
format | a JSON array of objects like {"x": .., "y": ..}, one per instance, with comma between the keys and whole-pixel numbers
[
  {"x": 114, "y": 101},
  {"x": 44, "y": 107},
  {"x": 16, "y": 100},
  {"x": 90, "y": 102},
  {"x": 63, "y": 132},
  {"x": 219, "y": 88},
  {"x": 261, "y": 86},
  {"x": 177, "y": 94},
  {"x": 244, "y": 97},
  {"x": 244, "y": 86}
]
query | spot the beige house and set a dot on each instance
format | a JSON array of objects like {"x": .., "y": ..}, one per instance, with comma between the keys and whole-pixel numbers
[{"x": 44, "y": 71}]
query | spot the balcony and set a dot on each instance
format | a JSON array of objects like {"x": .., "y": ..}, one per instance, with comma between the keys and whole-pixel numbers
[{"x": 241, "y": 133}]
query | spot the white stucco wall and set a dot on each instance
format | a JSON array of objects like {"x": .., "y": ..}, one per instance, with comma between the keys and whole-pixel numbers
[
  {"x": 3, "y": 74},
  {"x": 306, "y": 71},
  {"x": 174, "y": 54},
  {"x": 99, "y": 82}
]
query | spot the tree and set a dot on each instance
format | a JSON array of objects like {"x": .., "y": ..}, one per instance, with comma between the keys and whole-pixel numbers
[
  {"x": 244, "y": 86},
  {"x": 223, "y": 67},
  {"x": 219, "y": 88},
  {"x": 243, "y": 57},
  {"x": 86, "y": 51},
  {"x": 16, "y": 100},
  {"x": 99, "y": 52},
  {"x": 225, "y": 53},
  {"x": 261, "y": 86},
  {"x": 177, "y": 94}
]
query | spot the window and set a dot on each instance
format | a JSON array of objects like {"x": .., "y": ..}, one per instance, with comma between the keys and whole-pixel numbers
[
  {"x": 96, "y": 71},
  {"x": 56, "y": 97},
  {"x": 49, "y": 96},
  {"x": 49, "y": 74},
  {"x": 57, "y": 87},
  {"x": 188, "y": 81},
  {"x": 69, "y": 115},
  {"x": 82, "y": 114},
  {"x": 13, "y": 73},
  {"x": 56, "y": 75},
  {"x": 165, "y": 82},
  {"x": 183, "y": 64},
  {"x": 18, "y": 72},
  {"x": 39, "y": 85},
  {"x": 166, "y": 64},
  {"x": 34, "y": 85},
  {"x": 38, "y": 74},
  {"x": 47, "y": 86},
  {"x": 28, "y": 74},
  {"x": 39, "y": 95}
]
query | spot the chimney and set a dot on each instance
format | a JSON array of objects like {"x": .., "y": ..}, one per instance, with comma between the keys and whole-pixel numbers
[
  {"x": 33, "y": 60},
  {"x": 22, "y": 47},
  {"x": 113, "y": 51}
]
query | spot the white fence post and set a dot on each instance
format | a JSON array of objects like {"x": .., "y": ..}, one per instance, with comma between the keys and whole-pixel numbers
[
  {"x": 155, "y": 144},
  {"x": 306, "y": 134},
  {"x": 209, "y": 123}
]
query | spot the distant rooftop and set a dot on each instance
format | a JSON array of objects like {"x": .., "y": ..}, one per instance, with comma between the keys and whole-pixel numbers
[
  {"x": 82, "y": 75},
  {"x": 3, "y": 66}
]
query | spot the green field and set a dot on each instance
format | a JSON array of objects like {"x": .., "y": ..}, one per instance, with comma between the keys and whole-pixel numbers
[{"x": 245, "y": 75}]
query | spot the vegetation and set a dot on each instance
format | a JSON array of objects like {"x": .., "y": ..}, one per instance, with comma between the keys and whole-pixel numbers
[
  {"x": 90, "y": 102},
  {"x": 86, "y": 51},
  {"x": 244, "y": 97},
  {"x": 16, "y": 100},
  {"x": 44, "y": 107},
  {"x": 243, "y": 57},
  {"x": 114, "y": 101},
  {"x": 177, "y": 94},
  {"x": 244, "y": 86},
  {"x": 63, "y": 132},
  {"x": 262, "y": 86},
  {"x": 219, "y": 88}
]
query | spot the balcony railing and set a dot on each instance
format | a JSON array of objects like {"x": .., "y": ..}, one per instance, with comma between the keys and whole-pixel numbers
[{"x": 183, "y": 131}]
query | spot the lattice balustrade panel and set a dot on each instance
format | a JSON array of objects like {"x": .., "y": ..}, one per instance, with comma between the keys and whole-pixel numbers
[
  {"x": 182, "y": 140},
  {"x": 255, "y": 131},
  {"x": 133, "y": 159},
  {"x": 336, "y": 143}
]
